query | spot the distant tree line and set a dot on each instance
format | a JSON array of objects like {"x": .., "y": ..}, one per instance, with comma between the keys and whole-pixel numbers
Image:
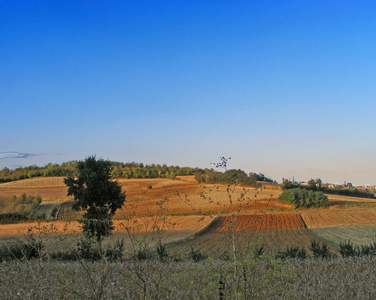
[
  {"x": 119, "y": 170},
  {"x": 139, "y": 170},
  {"x": 231, "y": 176},
  {"x": 136, "y": 170},
  {"x": 49, "y": 170},
  {"x": 316, "y": 185}
]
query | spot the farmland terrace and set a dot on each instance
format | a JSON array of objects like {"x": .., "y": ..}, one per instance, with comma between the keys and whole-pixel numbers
[{"x": 191, "y": 215}]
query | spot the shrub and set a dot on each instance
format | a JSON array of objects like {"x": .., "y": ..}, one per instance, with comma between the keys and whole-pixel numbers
[
  {"x": 22, "y": 249},
  {"x": 368, "y": 250},
  {"x": 292, "y": 252},
  {"x": 11, "y": 218},
  {"x": 115, "y": 252},
  {"x": 347, "y": 249},
  {"x": 142, "y": 254},
  {"x": 303, "y": 198},
  {"x": 321, "y": 251},
  {"x": 197, "y": 255},
  {"x": 162, "y": 251},
  {"x": 89, "y": 249},
  {"x": 259, "y": 251}
]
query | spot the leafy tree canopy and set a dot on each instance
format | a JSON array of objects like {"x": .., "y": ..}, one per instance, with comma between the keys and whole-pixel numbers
[{"x": 96, "y": 194}]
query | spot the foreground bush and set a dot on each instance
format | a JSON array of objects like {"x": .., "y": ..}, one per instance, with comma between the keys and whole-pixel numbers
[
  {"x": 304, "y": 198},
  {"x": 22, "y": 249}
]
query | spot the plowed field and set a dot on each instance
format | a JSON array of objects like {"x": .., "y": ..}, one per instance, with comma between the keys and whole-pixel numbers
[
  {"x": 275, "y": 231},
  {"x": 220, "y": 244},
  {"x": 338, "y": 218},
  {"x": 262, "y": 222}
]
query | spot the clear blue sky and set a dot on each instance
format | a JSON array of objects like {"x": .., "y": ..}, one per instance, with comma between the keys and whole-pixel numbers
[{"x": 286, "y": 88}]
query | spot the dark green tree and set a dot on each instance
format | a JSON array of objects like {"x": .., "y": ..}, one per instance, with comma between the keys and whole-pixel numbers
[{"x": 96, "y": 194}]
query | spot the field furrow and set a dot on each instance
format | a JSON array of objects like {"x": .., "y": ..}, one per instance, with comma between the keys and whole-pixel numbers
[{"x": 338, "y": 218}]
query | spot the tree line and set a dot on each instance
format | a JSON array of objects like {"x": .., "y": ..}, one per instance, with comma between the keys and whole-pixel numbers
[
  {"x": 231, "y": 176},
  {"x": 136, "y": 170},
  {"x": 316, "y": 185},
  {"x": 118, "y": 170}
]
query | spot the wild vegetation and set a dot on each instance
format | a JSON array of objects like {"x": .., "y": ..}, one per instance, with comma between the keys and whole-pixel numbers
[
  {"x": 20, "y": 209},
  {"x": 24, "y": 204},
  {"x": 339, "y": 278}
]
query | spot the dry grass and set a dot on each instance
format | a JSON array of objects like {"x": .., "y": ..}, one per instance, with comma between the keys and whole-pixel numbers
[
  {"x": 265, "y": 279},
  {"x": 340, "y": 200}
]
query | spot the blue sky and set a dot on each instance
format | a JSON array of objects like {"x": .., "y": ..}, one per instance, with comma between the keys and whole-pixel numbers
[{"x": 286, "y": 88}]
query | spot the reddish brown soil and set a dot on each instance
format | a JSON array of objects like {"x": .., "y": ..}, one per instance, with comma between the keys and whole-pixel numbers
[{"x": 261, "y": 222}]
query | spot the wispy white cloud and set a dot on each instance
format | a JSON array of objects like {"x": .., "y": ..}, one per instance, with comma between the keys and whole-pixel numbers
[{"x": 4, "y": 155}]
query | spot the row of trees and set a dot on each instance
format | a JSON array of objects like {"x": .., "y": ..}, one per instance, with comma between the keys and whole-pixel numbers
[
  {"x": 133, "y": 170},
  {"x": 316, "y": 185},
  {"x": 119, "y": 170},
  {"x": 139, "y": 170},
  {"x": 238, "y": 176},
  {"x": 34, "y": 171}
]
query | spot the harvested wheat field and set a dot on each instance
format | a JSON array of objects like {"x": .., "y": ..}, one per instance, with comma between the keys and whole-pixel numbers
[
  {"x": 275, "y": 231},
  {"x": 190, "y": 224},
  {"x": 341, "y": 200},
  {"x": 184, "y": 199},
  {"x": 60, "y": 235},
  {"x": 144, "y": 196},
  {"x": 51, "y": 189},
  {"x": 195, "y": 199},
  {"x": 325, "y": 218}
]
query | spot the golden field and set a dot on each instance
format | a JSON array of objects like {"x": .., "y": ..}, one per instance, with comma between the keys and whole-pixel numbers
[{"x": 196, "y": 215}]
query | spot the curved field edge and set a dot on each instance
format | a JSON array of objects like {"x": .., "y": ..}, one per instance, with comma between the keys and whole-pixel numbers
[
  {"x": 60, "y": 235},
  {"x": 140, "y": 225},
  {"x": 268, "y": 230}
]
